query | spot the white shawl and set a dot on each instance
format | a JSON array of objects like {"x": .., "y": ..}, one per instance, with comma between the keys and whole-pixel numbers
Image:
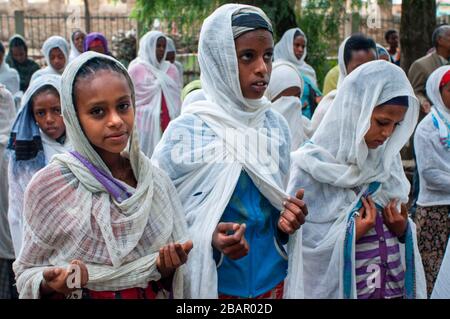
[
  {"x": 151, "y": 81},
  {"x": 432, "y": 147},
  {"x": 338, "y": 160},
  {"x": 68, "y": 214},
  {"x": 284, "y": 50},
  {"x": 285, "y": 75},
  {"x": 9, "y": 77},
  {"x": 49, "y": 44},
  {"x": 204, "y": 150},
  {"x": 327, "y": 100},
  {"x": 7, "y": 114}
]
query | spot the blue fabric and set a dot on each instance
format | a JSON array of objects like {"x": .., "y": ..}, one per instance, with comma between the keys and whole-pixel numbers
[
  {"x": 307, "y": 96},
  {"x": 264, "y": 267}
]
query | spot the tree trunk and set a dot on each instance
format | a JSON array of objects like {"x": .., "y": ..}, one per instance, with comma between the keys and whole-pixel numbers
[
  {"x": 87, "y": 17},
  {"x": 282, "y": 13},
  {"x": 417, "y": 25}
]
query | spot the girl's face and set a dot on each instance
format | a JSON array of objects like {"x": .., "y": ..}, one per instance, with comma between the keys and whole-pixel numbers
[
  {"x": 445, "y": 93},
  {"x": 19, "y": 54},
  {"x": 160, "y": 48},
  {"x": 105, "y": 110},
  {"x": 383, "y": 122},
  {"x": 47, "y": 114},
  {"x": 299, "y": 46},
  {"x": 57, "y": 59},
  {"x": 78, "y": 40},
  {"x": 254, "y": 51}
]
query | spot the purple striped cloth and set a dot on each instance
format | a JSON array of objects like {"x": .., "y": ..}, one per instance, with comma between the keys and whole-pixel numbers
[
  {"x": 114, "y": 187},
  {"x": 379, "y": 270}
]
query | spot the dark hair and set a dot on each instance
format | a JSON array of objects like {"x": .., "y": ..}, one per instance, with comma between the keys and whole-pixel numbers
[
  {"x": 298, "y": 33},
  {"x": 75, "y": 32},
  {"x": 94, "y": 65},
  {"x": 17, "y": 43},
  {"x": 2, "y": 48},
  {"x": 46, "y": 88},
  {"x": 389, "y": 33},
  {"x": 358, "y": 42}
]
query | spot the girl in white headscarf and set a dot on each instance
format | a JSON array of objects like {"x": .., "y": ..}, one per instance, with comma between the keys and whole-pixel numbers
[
  {"x": 102, "y": 209},
  {"x": 56, "y": 53},
  {"x": 284, "y": 90},
  {"x": 157, "y": 91},
  {"x": 7, "y": 114},
  {"x": 432, "y": 143},
  {"x": 355, "y": 183},
  {"x": 8, "y": 76},
  {"x": 292, "y": 47},
  {"x": 76, "y": 44},
  {"x": 228, "y": 157},
  {"x": 38, "y": 133}
]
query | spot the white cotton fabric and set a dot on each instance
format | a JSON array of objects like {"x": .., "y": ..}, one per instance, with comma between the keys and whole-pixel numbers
[
  {"x": 170, "y": 47},
  {"x": 433, "y": 158},
  {"x": 151, "y": 80},
  {"x": 7, "y": 114},
  {"x": 198, "y": 153},
  {"x": 21, "y": 172},
  {"x": 284, "y": 50},
  {"x": 325, "y": 104},
  {"x": 55, "y": 41},
  {"x": 193, "y": 96},
  {"x": 73, "y": 49},
  {"x": 285, "y": 75},
  {"x": 9, "y": 77},
  {"x": 69, "y": 215},
  {"x": 337, "y": 161},
  {"x": 441, "y": 288}
]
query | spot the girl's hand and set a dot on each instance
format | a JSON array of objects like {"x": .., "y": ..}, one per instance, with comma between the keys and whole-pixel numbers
[
  {"x": 57, "y": 279},
  {"x": 396, "y": 221},
  {"x": 366, "y": 218},
  {"x": 294, "y": 213},
  {"x": 228, "y": 238},
  {"x": 172, "y": 256}
]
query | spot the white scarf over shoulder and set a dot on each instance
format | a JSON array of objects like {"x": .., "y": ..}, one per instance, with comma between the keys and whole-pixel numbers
[
  {"x": 284, "y": 50},
  {"x": 432, "y": 147},
  {"x": 285, "y": 75},
  {"x": 151, "y": 81},
  {"x": 337, "y": 161},
  {"x": 65, "y": 203},
  {"x": 204, "y": 150},
  {"x": 51, "y": 43},
  {"x": 327, "y": 100}
]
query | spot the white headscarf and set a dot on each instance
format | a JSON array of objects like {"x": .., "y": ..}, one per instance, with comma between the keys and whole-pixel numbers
[
  {"x": 339, "y": 160},
  {"x": 150, "y": 89},
  {"x": 7, "y": 114},
  {"x": 73, "y": 49},
  {"x": 171, "y": 48},
  {"x": 327, "y": 100},
  {"x": 284, "y": 50},
  {"x": 431, "y": 140},
  {"x": 285, "y": 75},
  {"x": 208, "y": 129},
  {"x": 130, "y": 233},
  {"x": 9, "y": 77},
  {"x": 50, "y": 44}
]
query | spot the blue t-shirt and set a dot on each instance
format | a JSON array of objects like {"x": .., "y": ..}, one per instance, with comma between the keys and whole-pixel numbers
[{"x": 265, "y": 266}]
